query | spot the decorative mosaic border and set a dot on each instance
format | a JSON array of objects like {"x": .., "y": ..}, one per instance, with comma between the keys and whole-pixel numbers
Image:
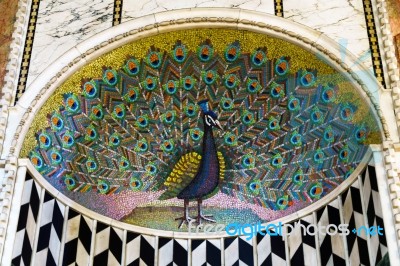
[
  {"x": 117, "y": 12},
  {"x": 391, "y": 148},
  {"x": 162, "y": 22},
  {"x": 373, "y": 42},
  {"x": 23, "y": 75},
  {"x": 278, "y": 5}
]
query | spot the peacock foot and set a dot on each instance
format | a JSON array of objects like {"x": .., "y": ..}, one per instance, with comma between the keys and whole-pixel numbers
[
  {"x": 207, "y": 218},
  {"x": 184, "y": 219}
]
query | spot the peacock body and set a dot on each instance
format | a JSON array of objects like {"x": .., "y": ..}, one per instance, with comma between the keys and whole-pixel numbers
[{"x": 284, "y": 137}]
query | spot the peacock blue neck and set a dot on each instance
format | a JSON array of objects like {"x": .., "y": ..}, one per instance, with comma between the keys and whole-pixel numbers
[
  {"x": 209, "y": 166},
  {"x": 208, "y": 141}
]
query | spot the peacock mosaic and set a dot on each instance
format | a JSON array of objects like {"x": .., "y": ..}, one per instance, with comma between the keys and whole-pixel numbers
[{"x": 224, "y": 130}]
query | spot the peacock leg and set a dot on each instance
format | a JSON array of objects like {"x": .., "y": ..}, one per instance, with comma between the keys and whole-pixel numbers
[
  {"x": 200, "y": 215},
  {"x": 185, "y": 217}
]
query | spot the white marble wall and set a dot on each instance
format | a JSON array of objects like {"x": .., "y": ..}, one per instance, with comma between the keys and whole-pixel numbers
[
  {"x": 341, "y": 20},
  {"x": 62, "y": 24},
  {"x": 136, "y": 8}
]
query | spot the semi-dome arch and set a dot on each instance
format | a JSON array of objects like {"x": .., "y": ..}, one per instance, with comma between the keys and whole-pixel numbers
[{"x": 47, "y": 84}]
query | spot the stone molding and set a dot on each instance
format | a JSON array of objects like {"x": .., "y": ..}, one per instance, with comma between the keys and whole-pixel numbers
[
  {"x": 391, "y": 148},
  {"x": 9, "y": 163}
]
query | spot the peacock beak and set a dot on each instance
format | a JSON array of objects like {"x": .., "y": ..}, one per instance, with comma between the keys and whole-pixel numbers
[{"x": 218, "y": 124}]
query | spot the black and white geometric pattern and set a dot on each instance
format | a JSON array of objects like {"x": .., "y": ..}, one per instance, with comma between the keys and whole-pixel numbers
[
  {"x": 27, "y": 222},
  {"x": 271, "y": 249},
  {"x": 206, "y": 252},
  {"x": 108, "y": 245},
  {"x": 78, "y": 239},
  {"x": 302, "y": 246},
  {"x": 374, "y": 213},
  {"x": 357, "y": 246},
  {"x": 140, "y": 249},
  {"x": 50, "y": 232},
  {"x": 172, "y": 252},
  {"x": 238, "y": 251},
  {"x": 331, "y": 244}
]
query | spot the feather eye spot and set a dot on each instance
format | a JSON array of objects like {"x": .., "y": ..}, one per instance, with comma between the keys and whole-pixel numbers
[
  {"x": 132, "y": 67},
  {"x": 131, "y": 95},
  {"x": 298, "y": 178},
  {"x": 281, "y": 67},
  {"x": 57, "y": 123},
  {"x": 277, "y": 161},
  {"x": 232, "y": 52},
  {"x": 315, "y": 191},
  {"x": 44, "y": 141},
  {"x": 110, "y": 77},
  {"x": 360, "y": 134},
  {"x": 37, "y": 161},
  {"x": 55, "y": 157},
  {"x": 319, "y": 156},
  {"x": 179, "y": 53},
  {"x": 253, "y": 86},
  {"x": 90, "y": 89},
  {"x": 294, "y": 104},
  {"x": 154, "y": 59},
  {"x": 205, "y": 52},
  {"x": 258, "y": 58},
  {"x": 328, "y": 95},
  {"x": 316, "y": 115},
  {"x": 346, "y": 113},
  {"x": 231, "y": 81},
  {"x": 135, "y": 183},
  {"x": 307, "y": 79}
]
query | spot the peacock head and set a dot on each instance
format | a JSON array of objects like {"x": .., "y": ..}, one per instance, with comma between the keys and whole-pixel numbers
[{"x": 210, "y": 118}]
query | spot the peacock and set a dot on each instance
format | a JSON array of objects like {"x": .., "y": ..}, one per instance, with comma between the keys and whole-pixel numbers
[{"x": 190, "y": 124}]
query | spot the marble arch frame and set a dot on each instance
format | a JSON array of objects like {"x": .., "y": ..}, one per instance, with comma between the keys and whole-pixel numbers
[{"x": 22, "y": 115}]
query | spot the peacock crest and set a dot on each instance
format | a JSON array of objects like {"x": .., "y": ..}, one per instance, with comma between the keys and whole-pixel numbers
[{"x": 284, "y": 137}]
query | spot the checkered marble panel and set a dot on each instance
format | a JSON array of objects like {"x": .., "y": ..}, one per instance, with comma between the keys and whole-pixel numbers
[
  {"x": 78, "y": 239},
  {"x": 357, "y": 246},
  {"x": 172, "y": 252},
  {"x": 374, "y": 213},
  {"x": 109, "y": 248},
  {"x": 238, "y": 251},
  {"x": 331, "y": 244},
  {"x": 108, "y": 245},
  {"x": 206, "y": 252},
  {"x": 27, "y": 223},
  {"x": 140, "y": 249},
  {"x": 50, "y": 231},
  {"x": 302, "y": 245},
  {"x": 270, "y": 249}
]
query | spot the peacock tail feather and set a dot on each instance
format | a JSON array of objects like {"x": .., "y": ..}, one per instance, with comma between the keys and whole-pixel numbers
[{"x": 285, "y": 137}]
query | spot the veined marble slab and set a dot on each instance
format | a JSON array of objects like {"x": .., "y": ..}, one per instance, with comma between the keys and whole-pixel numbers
[
  {"x": 136, "y": 8},
  {"x": 62, "y": 24},
  {"x": 341, "y": 20}
]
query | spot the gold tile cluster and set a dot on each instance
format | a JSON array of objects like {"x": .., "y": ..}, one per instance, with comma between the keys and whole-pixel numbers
[
  {"x": 220, "y": 38},
  {"x": 373, "y": 42},
  {"x": 117, "y": 13},
  {"x": 278, "y": 4},
  {"x": 23, "y": 76}
]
